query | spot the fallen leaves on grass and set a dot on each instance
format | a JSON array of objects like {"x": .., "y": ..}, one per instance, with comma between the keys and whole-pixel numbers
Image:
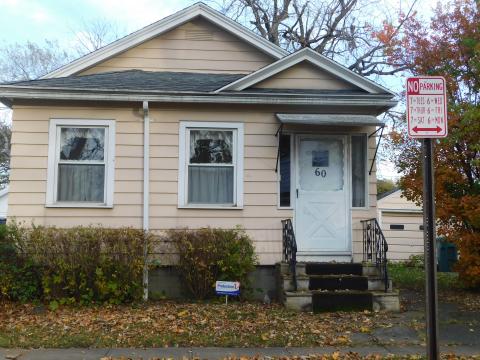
[
  {"x": 179, "y": 324},
  {"x": 333, "y": 356},
  {"x": 466, "y": 300}
]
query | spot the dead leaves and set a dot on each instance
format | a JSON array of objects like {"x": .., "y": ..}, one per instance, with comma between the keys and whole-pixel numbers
[
  {"x": 174, "y": 324},
  {"x": 333, "y": 356}
]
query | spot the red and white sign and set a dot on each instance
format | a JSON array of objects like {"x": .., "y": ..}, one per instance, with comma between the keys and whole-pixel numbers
[{"x": 427, "y": 107}]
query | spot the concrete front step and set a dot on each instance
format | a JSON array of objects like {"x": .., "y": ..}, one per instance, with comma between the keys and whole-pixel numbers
[
  {"x": 336, "y": 286},
  {"x": 302, "y": 268},
  {"x": 338, "y": 282},
  {"x": 333, "y": 269},
  {"x": 341, "y": 300},
  {"x": 323, "y": 301}
]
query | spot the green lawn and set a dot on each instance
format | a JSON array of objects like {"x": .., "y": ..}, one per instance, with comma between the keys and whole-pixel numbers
[{"x": 413, "y": 277}]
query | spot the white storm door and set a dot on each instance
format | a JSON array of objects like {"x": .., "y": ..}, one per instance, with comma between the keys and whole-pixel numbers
[{"x": 321, "y": 221}]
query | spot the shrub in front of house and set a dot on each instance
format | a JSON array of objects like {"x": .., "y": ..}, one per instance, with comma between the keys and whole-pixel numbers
[
  {"x": 77, "y": 265},
  {"x": 19, "y": 277},
  {"x": 210, "y": 254}
]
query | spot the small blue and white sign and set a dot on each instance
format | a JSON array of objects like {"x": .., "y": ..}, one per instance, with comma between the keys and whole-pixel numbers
[{"x": 231, "y": 288}]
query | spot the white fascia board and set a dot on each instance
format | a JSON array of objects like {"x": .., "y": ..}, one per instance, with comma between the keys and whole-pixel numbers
[
  {"x": 314, "y": 58},
  {"x": 340, "y": 100},
  {"x": 163, "y": 26}
]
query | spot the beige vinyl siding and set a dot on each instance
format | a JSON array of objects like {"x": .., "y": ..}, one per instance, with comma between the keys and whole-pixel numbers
[
  {"x": 304, "y": 76},
  {"x": 397, "y": 210},
  {"x": 260, "y": 216},
  {"x": 197, "y": 46},
  {"x": 29, "y": 168}
]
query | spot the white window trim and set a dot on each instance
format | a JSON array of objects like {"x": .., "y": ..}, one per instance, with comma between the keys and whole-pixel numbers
[
  {"x": 52, "y": 170},
  {"x": 182, "y": 163}
]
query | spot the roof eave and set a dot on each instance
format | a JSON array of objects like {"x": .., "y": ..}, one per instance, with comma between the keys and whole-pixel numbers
[{"x": 380, "y": 102}]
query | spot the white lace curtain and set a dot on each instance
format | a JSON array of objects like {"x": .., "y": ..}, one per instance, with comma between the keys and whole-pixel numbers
[{"x": 211, "y": 182}]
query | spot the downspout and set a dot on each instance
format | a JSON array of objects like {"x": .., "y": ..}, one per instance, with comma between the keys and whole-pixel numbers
[{"x": 146, "y": 193}]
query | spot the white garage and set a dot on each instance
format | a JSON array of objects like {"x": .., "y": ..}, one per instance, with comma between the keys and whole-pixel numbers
[{"x": 402, "y": 224}]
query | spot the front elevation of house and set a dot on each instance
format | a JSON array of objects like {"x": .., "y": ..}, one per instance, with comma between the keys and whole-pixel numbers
[{"x": 196, "y": 121}]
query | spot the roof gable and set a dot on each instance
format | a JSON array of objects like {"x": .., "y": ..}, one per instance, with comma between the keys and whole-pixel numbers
[
  {"x": 195, "y": 46},
  {"x": 318, "y": 61},
  {"x": 305, "y": 75},
  {"x": 163, "y": 26}
]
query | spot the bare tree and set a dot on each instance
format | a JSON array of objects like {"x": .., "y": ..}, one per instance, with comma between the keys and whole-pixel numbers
[
  {"x": 95, "y": 34},
  {"x": 29, "y": 60},
  {"x": 337, "y": 29}
]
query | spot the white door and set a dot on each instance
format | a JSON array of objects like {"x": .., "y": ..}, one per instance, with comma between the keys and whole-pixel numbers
[{"x": 321, "y": 221}]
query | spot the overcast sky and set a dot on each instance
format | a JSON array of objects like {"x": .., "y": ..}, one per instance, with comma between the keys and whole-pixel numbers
[{"x": 35, "y": 20}]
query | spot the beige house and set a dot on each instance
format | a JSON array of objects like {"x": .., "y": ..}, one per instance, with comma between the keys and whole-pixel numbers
[
  {"x": 196, "y": 121},
  {"x": 402, "y": 224}
]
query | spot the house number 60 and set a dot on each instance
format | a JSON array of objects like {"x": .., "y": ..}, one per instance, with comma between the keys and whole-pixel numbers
[{"x": 322, "y": 173}]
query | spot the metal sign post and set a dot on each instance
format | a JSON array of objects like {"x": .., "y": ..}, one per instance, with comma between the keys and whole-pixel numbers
[
  {"x": 429, "y": 238},
  {"x": 427, "y": 119}
]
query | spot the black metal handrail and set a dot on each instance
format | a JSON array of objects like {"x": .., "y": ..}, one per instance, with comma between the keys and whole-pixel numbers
[
  {"x": 375, "y": 248},
  {"x": 290, "y": 249}
]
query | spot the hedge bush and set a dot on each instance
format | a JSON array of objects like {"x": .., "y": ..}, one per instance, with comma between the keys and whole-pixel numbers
[
  {"x": 77, "y": 265},
  {"x": 210, "y": 254},
  {"x": 19, "y": 277}
]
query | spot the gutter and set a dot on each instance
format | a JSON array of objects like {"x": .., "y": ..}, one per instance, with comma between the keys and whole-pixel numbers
[
  {"x": 146, "y": 192},
  {"x": 324, "y": 100}
]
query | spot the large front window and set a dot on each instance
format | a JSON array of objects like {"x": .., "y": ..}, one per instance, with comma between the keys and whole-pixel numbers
[
  {"x": 80, "y": 163},
  {"x": 211, "y": 165}
]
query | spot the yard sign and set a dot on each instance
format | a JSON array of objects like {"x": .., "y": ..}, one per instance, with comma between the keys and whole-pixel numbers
[
  {"x": 426, "y": 107},
  {"x": 231, "y": 288}
]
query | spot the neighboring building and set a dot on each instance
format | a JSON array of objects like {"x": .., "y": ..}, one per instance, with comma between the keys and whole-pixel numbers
[
  {"x": 3, "y": 205},
  {"x": 402, "y": 224},
  {"x": 175, "y": 126}
]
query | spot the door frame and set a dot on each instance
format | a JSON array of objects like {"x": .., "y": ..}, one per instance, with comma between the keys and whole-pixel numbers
[{"x": 346, "y": 255}]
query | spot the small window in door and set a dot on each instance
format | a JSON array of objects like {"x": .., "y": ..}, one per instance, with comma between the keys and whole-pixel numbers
[{"x": 320, "y": 158}]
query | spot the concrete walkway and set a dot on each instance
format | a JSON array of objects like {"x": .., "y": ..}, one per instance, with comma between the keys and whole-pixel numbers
[{"x": 216, "y": 353}]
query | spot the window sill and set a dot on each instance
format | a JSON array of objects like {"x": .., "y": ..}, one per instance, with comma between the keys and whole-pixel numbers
[
  {"x": 80, "y": 206},
  {"x": 360, "y": 208},
  {"x": 206, "y": 207}
]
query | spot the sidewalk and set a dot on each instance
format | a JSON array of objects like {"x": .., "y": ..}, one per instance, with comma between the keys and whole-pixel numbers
[{"x": 217, "y": 353}]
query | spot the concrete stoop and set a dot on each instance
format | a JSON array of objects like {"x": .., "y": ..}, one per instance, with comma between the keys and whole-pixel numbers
[{"x": 325, "y": 287}]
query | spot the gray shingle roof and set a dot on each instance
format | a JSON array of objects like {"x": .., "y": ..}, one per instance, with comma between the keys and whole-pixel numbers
[{"x": 138, "y": 80}]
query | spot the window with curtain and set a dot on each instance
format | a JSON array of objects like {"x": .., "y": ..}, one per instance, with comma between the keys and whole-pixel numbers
[
  {"x": 359, "y": 170},
  {"x": 82, "y": 165},
  {"x": 211, "y": 168},
  {"x": 211, "y": 165}
]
